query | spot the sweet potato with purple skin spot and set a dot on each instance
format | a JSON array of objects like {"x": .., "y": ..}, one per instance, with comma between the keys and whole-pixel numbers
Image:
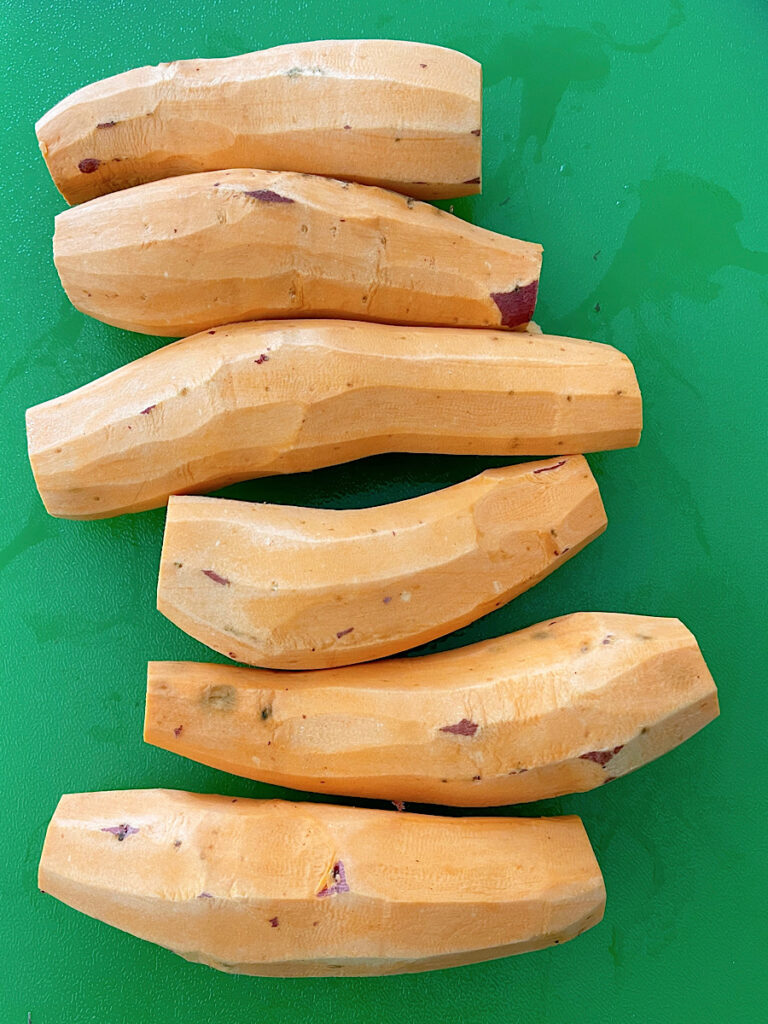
[
  {"x": 262, "y": 398},
  {"x": 403, "y": 115},
  {"x": 306, "y": 587},
  {"x": 306, "y": 890},
  {"x": 189, "y": 253},
  {"x": 547, "y": 711}
]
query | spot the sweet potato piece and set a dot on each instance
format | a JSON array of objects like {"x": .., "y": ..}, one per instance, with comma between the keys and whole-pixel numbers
[
  {"x": 558, "y": 708},
  {"x": 299, "y": 889},
  {"x": 385, "y": 112},
  {"x": 185, "y": 254},
  {"x": 260, "y": 398},
  {"x": 288, "y": 587}
]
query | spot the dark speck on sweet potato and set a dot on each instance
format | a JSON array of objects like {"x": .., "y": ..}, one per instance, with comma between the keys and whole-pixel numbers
[
  {"x": 339, "y": 882},
  {"x": 463, "y": 728},
  {"x": 548, "y": 469},
  {"x": 121, "y": 831},
  {"x": 601, "y": 757},
  {"x": 266, "y": 195},
  {"x": 213, "y": 575},
  {"x": 89, "y": 165}
]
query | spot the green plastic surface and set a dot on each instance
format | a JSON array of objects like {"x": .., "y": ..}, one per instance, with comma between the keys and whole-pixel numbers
[{"x": 631, "y": 140}]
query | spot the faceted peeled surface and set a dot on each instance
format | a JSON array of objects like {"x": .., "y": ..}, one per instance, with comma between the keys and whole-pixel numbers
[
  {"x": 270, "y": 887},
  {"x": 286, "y": 587},
  {"x": 201, "y": 250},
  {"x": 403, "y": 115},
  {"x": 557, "y": 708},
  {"x": 261, "y": 398}
]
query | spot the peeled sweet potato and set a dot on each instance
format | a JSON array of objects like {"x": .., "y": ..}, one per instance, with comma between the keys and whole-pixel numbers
[
  {"x": 399, "y": 114},
  {"x": 558, "y": 708},
  {"x": 260, "y": 398},
  {"x": 288, "y": 587},
  {"x": 185, "y": 254},
  {"x": 299, "y": 889}
]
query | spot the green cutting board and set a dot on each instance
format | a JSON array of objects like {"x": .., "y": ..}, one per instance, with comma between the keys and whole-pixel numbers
[{"x": 630, "y": 139}]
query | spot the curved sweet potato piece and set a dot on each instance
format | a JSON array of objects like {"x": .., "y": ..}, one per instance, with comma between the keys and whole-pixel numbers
[
  {"x": 287, "y": 587},
  {"x": 260, "y": 398},
  {"x": 558, "y": 708}
]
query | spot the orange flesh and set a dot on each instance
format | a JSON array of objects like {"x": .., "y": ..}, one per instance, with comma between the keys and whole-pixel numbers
[
  {"x": 260, "y": 398},
  {"x": 300, "y": 889},
  {"x": 403, "y": 115},
  {"x": 286, "y": 587},
  {"x": 201, "y": 250},
  {"x": 558, "y": 708}
]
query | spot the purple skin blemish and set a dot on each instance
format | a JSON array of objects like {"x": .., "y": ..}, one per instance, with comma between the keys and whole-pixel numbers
[
  {"x": 263, "y": 358},
  {"x": 339, "y": 882},
  {"x": 607, "y": 640},
  {"x": 462, "y": 728},
  {"x": 221, "y": 580},
  {"x": 387, "y": 600},
  {"x": 266, "y": 195},
  {"x": 274, "y": 921},
  {"x": 121, "y": 831},
  {"x": 106, "y": 124},
  {"x": 399, "y": 805},
  {"x": 516, "y": 307},
  {"x": 548, "y": 469},
  {"x": 475, "y": 181},
  {"x": 475, "y": 131},
  {"x": 344, "y": 632},
  {"x": 89, "y": 165},
  {"x": 204, "y": 896},
  {"x": 145, "y": 412},
  {"x": 177, "y": 731},
  {"x": 347, "y": 127},
  {"x": 601, "y": 757}
]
